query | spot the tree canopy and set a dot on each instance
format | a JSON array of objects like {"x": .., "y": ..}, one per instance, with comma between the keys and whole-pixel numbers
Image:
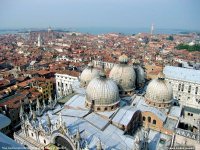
[{"x": 195, "y": 47}]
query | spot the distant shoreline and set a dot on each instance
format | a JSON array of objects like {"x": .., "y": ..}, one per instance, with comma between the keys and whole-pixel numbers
[{"x": 101, "y": 30}]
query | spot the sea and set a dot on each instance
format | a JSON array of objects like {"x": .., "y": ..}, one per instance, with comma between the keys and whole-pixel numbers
[{"x": 103, "y": 30}]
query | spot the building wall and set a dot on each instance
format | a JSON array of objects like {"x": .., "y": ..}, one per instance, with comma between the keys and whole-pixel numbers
[
  {"x": 152, "y": 71},
  {"x": 46, "y": 88},
  {"x": 158, "y": 126},
  {"x": 146, "y": 122},
  {"x": 64, "y": 84},
  {"x": 181, "y": 140},
  {"x": 187, "y": 93},
  {"x": 107, "y": 65}
]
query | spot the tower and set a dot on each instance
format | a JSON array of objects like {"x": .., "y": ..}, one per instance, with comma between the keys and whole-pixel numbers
[
  {"x": 39, "y": 42},
  {"x": 152, "y": 29}
]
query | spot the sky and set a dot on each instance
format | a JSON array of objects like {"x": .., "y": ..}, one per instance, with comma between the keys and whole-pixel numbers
[{"x": 170, "y": 14}]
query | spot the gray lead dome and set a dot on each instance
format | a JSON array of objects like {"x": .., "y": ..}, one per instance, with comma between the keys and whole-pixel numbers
[
  {"x": 159, "y": 92},
  {"x": 103, "y": 93},
  {"x": 88, "y": 74},
  {"x": 124, "y": 75}
]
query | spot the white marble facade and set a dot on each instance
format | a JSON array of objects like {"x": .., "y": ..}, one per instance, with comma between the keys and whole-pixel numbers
[{"x": 64, "y": 84}]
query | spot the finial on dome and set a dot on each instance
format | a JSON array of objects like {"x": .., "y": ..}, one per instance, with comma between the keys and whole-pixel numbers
[
  {"x": 161, "y": 76},
  {"x": 123, "y": 59},
  {"x": 102, "y": 74},
  {"x": 135, "y": 61},
  {"x": 90, "y": 64}
]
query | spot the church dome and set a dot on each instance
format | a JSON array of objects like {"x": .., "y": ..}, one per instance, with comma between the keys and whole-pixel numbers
[
  {"x": 88, "y": 74},
  {"x": 159, "y": 92},
  {"x": 124, "y": 75},
  {"x": 102, "y": 94}
]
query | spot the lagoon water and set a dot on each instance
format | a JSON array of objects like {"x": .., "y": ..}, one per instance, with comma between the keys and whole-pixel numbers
[{"x": 103, "y": 30}]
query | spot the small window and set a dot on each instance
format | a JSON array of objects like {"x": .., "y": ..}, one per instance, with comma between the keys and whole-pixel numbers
[
  {"x": 144, "y": 118},
  {"x": 98, "y": 108},
  {"x": 32, "y": 134},
  {"x": 154, "y": 121},
  {"x": 188, "y": 114},
  {"x": 189, "y": 89},
  {"x": 149, "y": 119},
  {"x": 44, "y": 141}
]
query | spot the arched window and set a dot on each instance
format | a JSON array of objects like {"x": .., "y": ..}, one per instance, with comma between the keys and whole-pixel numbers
[
  {"x": 189, "y": 89},
  {"x": 154, "y": 121},
  {"x": 179, "y": 87},
  {"x": 182, "y": 88},
  {"x": 144, "y": 118},
  {"x": 105, "y": 108},
  {"x": 149, "y": 119},
  {"x": 196, "y": 90},
  {"x": 98, "y": 108}
]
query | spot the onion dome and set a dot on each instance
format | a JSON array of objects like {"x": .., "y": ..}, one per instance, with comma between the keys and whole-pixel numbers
[
  {"x": 159, "y": 92},
  {"x": 124, "y": 75},
  {"x": 88, "y": 74},
  {"x": 102, "y": 94}
]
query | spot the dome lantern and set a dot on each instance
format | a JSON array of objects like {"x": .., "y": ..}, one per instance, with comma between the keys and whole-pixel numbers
[{"x": 123, "y": 59}]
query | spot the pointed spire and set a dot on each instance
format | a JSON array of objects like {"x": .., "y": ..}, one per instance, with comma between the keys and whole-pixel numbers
[
  {"x": 50, "y": 99},
  {"x": 78, "y": 136},
  {"x": 137, "y": 143},
  {"x": 44, "y": 104},
  {"x": 99, "y": 146},
  {"x": 48, "y": 121},
  {"x": 38, "y": 106},
  {"x": 30, "y": 108},
  {"x": 21, "y": 113},
  {"x": 55, "y": 99},
  {"x": 86, "y": 146},
  {"x": 34, "y": 115},
  {"x": 60, "y": 119}
]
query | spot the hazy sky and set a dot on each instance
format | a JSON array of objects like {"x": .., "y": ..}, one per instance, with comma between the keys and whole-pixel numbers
[{"x": 178, "y": 14}]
